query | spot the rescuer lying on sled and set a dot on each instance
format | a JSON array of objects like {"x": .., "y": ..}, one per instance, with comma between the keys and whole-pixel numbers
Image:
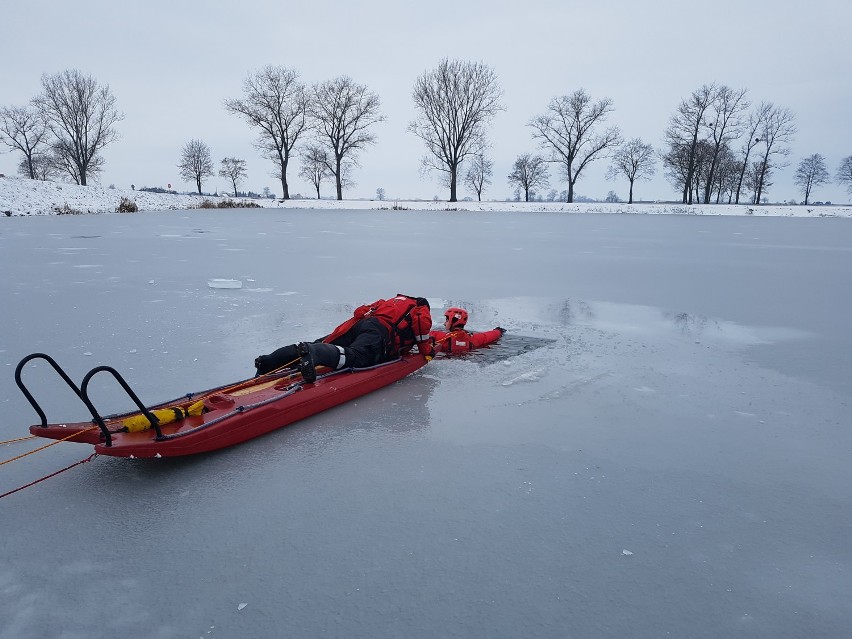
[
  {"x": 456, "y": 339},
  {"x": 376, "y": 333}
]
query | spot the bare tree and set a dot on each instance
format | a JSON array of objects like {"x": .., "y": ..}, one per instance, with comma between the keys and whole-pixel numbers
[
  {"x": 684, "y": 132},
  {"x": 567, "y": 129},
  {"x": 81, "y": 115},
  {"x": 479, "y": 174},
  {"x": 23, "y": 129},
  {"x": 343, "y": 113},
  {"x": 41, "y": 166},
  {"x": 315, "y": 166},
  {"x": 529, "y": 173},
  {"x": 724, "y": 122},
  {"x": 810, "y": 174},
  {"x": 725, "y": 180},
  {"x": 275, "y": 103},
  {"x": 455, "y": 101},
  {"x": 702, "y": 165},
  {"x": 196, "y": 162},
  {"x": 233, "y": 169},
  {"x": 676, "y": 164},
  {"x": 757, "y": 176},
  {"x": 777, "y": 131},
  {"x": 844, "y": 173},
  {"x": 634, "y": 160},
  {"x": 752, "y": 130}
]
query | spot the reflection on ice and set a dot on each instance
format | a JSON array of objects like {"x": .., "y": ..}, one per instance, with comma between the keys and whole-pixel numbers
[{"x": 648, "y": 320}]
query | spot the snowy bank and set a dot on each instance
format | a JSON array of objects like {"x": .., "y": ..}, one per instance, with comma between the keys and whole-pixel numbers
[{"x": 34, "y": 197}]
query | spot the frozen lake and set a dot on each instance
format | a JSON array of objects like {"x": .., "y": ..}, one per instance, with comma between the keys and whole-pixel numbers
[{"x": 676, "y": 462}]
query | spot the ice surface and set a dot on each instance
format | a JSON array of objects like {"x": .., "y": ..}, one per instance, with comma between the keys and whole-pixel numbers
[{"x": 682, "y": 390}]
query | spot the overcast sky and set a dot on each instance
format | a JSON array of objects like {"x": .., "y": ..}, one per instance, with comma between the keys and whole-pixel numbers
[{"x": 171, "y": 65}]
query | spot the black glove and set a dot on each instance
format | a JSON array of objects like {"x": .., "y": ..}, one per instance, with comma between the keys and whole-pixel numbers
[{"x": 502, "y": 330}]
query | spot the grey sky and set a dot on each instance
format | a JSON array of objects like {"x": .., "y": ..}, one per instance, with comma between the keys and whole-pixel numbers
[{"x": 171, "y": 65}]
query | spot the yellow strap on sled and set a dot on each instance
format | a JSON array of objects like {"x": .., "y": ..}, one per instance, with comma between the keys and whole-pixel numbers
[{"x": 140, "y": 423}]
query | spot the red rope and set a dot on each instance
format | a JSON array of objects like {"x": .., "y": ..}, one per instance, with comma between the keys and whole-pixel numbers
[{"x": 33, "y": 483}]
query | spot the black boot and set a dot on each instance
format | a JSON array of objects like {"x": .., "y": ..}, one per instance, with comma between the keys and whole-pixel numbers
[
  {"x": 306, "y": 363},
  {"x": 286, "y": 355}
]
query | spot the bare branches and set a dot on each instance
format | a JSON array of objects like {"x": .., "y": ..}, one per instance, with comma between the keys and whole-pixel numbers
[
  {"x": 752, "y": 128},
  {"x": 196, "y": 162},
  {"x": 685, "y": 132},
  {"x": 702, "y": 131},
  {"x": 81, "y": 115},
  {"x": 529, "y": 173},
  {"x": 274, "y": 103},
  {"x": 777, "y": 131},
  {"x": 844, "y": 173},
  {"x": 810, "y": 174},
  {"x": 724, "y": 122},
  {"x": 567, "y": 129},
  {"x": 342, "y": 113},
  {"x": 315, "y": 166},
  {"x": 23, "y": 129},
  {"x": 233, "y": 169},
  {"x": 634, "y": 160},
  {"x": 455, "y": 101},
  {"x": 479, "y": 174}
]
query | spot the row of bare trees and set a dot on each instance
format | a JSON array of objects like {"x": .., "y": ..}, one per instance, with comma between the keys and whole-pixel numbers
[
  {"x": 196, "y": 164},
  {"x": 336, "y": 116},
  {"x": 717, "y": 147},
  {"x": 64, "y": 129}
]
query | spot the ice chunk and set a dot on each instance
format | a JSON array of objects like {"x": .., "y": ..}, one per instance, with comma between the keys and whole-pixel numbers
[
  {"x": 626, "y": 552},
  {"x": 531, "y": 376},
  {"x": 241, "y": 606},
  {"x": 224, "y": 283}
]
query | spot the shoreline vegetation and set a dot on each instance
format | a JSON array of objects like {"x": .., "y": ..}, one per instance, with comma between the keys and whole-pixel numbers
[{"x": 21, "y": 197}]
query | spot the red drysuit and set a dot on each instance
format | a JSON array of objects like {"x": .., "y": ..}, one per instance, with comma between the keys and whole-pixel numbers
[{"x": 462, "y": 341}]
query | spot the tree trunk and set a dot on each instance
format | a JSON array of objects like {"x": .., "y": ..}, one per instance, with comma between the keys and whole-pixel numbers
[
  {"x": 285, "y": 189},
  {"x": 235, "y": 188},
  {"x": 198, "y": 183},
  {"x": 630, "y": 199},
  {"x": 742, "y": 175},
  {"x": 761, "y": 179},
  {"x": 526, "y": 194},
  {"x": 453, "y": 184},
  {"x": 708, "y": 188},
  {"x": 570, "y": 198}
]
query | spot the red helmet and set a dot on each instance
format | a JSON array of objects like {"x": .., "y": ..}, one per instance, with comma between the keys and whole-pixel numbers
[{"x": 456, "y": 317}]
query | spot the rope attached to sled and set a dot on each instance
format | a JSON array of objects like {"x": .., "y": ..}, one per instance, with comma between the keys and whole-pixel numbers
[
  {"x": 53, "y": 443},
  {"x": 17, "y": 439},
  {"x": 33, "y": 483}
]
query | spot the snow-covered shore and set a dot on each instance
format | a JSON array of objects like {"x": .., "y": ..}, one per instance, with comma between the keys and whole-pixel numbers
[{"x": 22, "y": 197}]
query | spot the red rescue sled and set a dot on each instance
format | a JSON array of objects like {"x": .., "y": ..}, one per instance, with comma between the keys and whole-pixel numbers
[{"x": 229, "y": 415}]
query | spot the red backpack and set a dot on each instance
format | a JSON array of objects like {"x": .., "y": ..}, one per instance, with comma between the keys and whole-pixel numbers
[{"x": 407, "y": 321}]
